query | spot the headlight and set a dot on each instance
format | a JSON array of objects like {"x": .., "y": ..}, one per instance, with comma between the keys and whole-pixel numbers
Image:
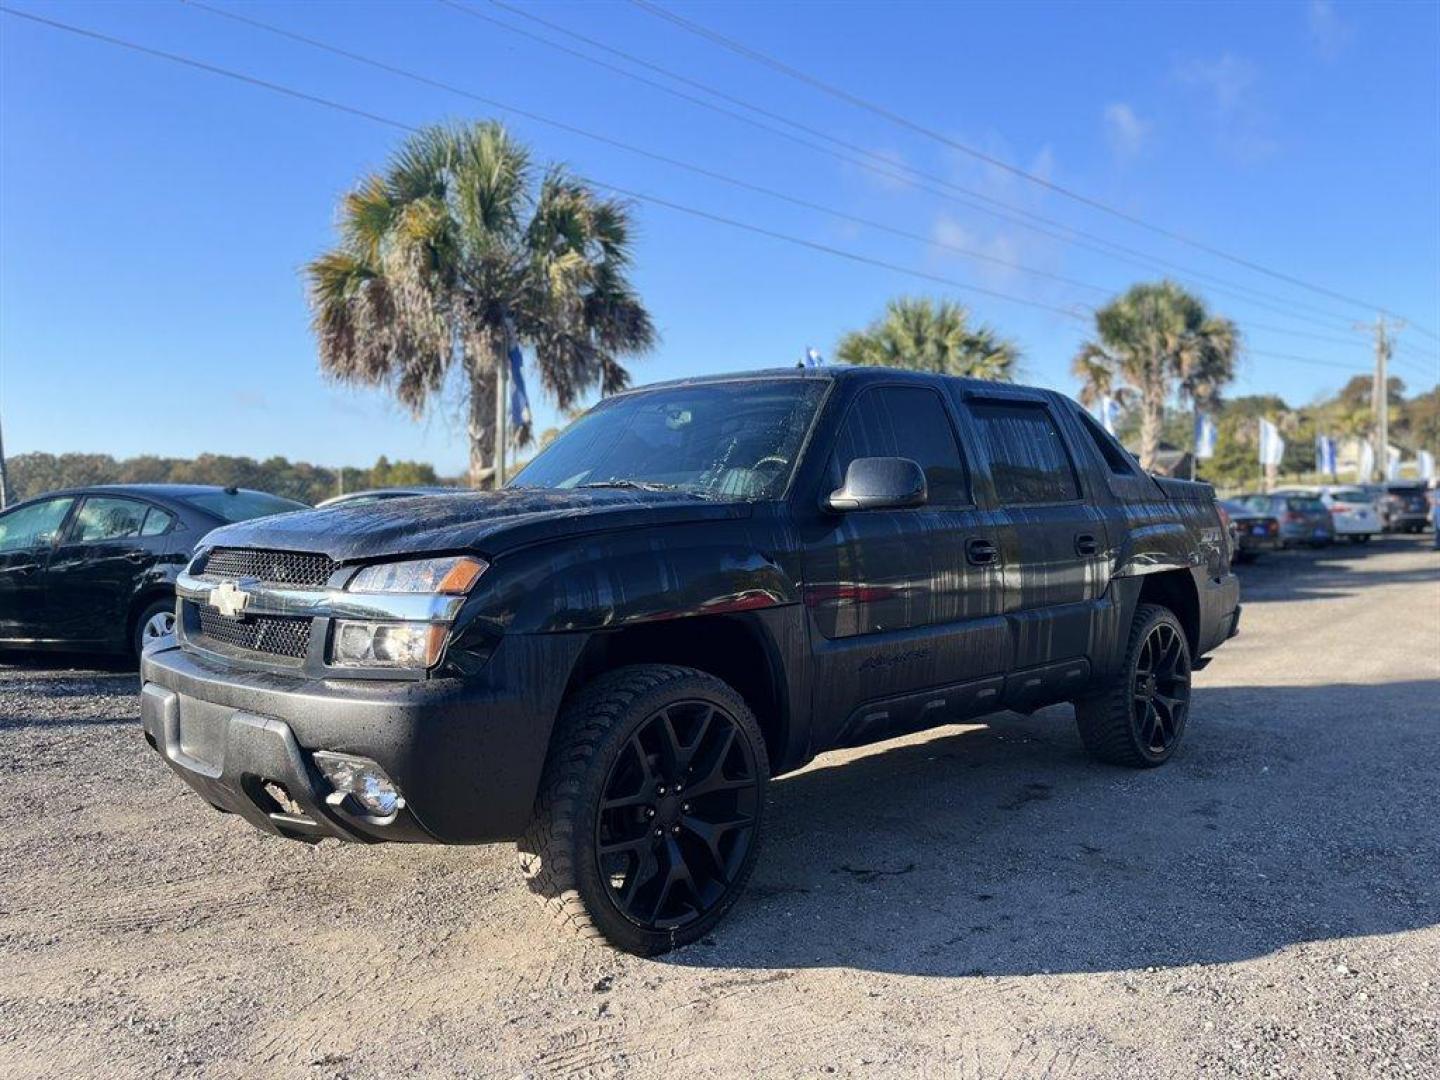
[
  {"x": 387, "y": 644},
  {"x": 452, "y": 576}
]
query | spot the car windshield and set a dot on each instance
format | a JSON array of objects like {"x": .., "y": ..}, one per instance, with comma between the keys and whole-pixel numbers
[
  {"x": 1259, "y": 504},
  {"x": 1349, "y": 495},
  {"x": 233, "y": 505},
  {"x": 1304, "y": 505},
  {"x": 733, "y": 440}
]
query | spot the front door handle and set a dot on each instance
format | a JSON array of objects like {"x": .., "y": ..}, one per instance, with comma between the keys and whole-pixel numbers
[
  {"x": 980, "y": 552},
  {"x": 137, "y": 556},
  {"x": 1086, "y": 545}
]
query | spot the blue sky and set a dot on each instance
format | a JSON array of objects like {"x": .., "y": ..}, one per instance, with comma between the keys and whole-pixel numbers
[{"x": 154, "y": 219}]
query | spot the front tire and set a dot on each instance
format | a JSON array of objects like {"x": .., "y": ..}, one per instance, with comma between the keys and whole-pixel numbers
[
  {"x": 1139, "y": 718},
  {"x": 649, "y": 812}
]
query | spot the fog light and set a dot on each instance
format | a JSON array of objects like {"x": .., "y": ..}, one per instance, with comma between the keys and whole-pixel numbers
[{"x": 361, "y": 779}]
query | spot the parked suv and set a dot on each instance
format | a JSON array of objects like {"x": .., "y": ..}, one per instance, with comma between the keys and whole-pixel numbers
[
  {"x": 698, "y": 586},
  {"x": 1408, "y": 506}
]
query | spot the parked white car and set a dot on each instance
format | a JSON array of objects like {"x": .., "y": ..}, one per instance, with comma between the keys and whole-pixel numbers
[{"x": 1352, "y": 510}]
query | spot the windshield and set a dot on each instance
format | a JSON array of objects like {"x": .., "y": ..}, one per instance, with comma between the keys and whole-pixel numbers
[
  {"x": 242, "y": 505},
  {"x": 1305, "y": 506},
  {"x": 734, "y": 440},
  {"x": 1349, "y": 495}
]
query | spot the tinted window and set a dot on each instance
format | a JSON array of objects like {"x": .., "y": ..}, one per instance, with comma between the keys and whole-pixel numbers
[
  {"x": 157, "y": 521},
  {"x": 1350, "y": 495},
  {"x": 34, "y": 525},
  {"x": 107, "y": 519},
  {"x": 242, "y": 505},
  {"x": 907, "y": 422},
  {"x": 1028, "y": 459},
  {"x": 1260, "y": 504},
  {"x": 1114, "y": 454},
  {"x": 1304, "y": 505},
  {"x": 733, "y": 440}
]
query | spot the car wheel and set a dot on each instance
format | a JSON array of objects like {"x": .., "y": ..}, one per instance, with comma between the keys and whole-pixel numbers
[
  {"x": 155, "y": 622},
  {"x": 649, "y": 813},
  {"x": 1139, "y": 718}
]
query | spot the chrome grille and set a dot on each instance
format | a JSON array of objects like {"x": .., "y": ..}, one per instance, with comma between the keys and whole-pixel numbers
[
  {"x": 274, "y": 567},
  {"x": 273, "y": 635}
]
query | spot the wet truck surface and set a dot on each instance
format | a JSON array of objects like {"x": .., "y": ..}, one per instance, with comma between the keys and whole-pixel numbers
[{"x": 698, "y": 586}]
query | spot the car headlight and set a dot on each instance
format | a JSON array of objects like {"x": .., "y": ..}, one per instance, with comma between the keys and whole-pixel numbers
[
  {"x": 451, "y": 576},
  {"x": 398, "y": 644},
  {"x": 387, "y": 644}
]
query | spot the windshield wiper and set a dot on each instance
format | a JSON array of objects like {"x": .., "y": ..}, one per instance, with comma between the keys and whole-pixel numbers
[{"x": 640, "y": 485}]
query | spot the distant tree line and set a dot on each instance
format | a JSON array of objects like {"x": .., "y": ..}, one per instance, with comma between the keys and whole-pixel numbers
[{"x": 34, "y": 474}]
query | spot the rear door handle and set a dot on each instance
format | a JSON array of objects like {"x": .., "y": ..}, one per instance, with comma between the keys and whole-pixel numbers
[
  {"x": 1086, "y": 545},
  {"x": 980, "y": 552}
]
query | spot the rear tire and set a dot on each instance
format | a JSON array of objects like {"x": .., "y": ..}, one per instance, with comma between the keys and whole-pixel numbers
[
  {"x": 649, "y": 813},
  {"x": 1139, "y": 718},
  {"x": 154, "y": 623}
]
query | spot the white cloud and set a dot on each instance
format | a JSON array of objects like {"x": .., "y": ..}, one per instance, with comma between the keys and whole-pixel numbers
[
  {"x": 1124, "y": 130},
  {"x": 1228, "y": 84},
  {"x": 1328, "y": 32}
]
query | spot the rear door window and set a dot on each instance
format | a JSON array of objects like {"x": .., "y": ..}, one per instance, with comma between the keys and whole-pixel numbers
[
  {"x": 1028, "y": 459},
  {"x": 107, "y": 518},
  {"x": 908, "y": 422}
]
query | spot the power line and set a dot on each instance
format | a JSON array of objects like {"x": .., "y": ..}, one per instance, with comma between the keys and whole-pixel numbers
[
  {"x": 390, "y": 122},
  {"x": 652, "y": 155},
  {"x": 878, "y": 164},
  {"x": 685, "y": 165},
  {"x": 905, "y": 122},
  {"x": 329, "y": 103}
]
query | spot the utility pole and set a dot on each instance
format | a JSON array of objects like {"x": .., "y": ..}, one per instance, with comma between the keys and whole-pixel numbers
[
  {"x": 4, "y": 477},
  {"x": 1380, "y": 392}
]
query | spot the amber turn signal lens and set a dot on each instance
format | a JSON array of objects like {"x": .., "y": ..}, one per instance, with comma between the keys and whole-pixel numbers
[{"x": 461, "y": 576}]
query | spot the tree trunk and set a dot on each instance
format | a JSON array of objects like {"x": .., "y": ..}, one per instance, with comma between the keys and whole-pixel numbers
[
  {"x": 1152, "y": 422},
  {"x": 481, "y": 423}
]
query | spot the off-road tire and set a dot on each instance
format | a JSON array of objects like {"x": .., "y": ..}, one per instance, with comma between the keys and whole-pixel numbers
[
  {"x": 557, "y": 854},
  {"x": 1106, "y": 719}
]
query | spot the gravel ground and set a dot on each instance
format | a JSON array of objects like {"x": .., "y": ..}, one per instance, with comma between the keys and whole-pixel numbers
[{"x": 980, "y": 901}]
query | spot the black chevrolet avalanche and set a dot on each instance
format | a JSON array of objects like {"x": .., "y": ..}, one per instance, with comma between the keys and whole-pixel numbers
[{"x": 699, "y": 586}]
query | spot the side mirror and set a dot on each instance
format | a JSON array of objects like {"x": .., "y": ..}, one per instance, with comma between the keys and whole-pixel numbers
[{"x": 879, "y": 483}]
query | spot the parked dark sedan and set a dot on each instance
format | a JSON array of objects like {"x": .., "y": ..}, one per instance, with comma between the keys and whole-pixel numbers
[
  {"x": 94, "y": 568},
  {"x": 1303, "y": 519},
  {"x": 1252, "y": 531}
]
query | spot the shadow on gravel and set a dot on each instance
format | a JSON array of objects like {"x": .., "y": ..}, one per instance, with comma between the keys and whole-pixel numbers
[
  {"x": 1292, "y": 814},
  {"x": 1340, "y": 570}
]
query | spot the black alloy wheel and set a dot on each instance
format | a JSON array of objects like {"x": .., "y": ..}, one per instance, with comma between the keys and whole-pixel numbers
[
  {"x": 1138, "y": 716},
  {"x": 650, "y": 812},
  {"x": 677, "y": 815},
  {"x": 1162, "y": 688}
]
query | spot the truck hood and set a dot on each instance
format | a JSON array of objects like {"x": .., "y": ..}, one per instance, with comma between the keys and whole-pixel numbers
[{"x": 486, "y": 523}]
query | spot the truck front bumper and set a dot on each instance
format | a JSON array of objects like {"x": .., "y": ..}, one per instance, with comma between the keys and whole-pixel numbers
[{"x": 466, "y": 755}]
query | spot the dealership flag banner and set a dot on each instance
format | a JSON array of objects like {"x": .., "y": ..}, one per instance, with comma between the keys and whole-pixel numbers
[
  {"x": 1272, "y": 446},
  {"x": 813, "y": 357},
  {"x": 1366, "y": 468},
  {"x": 1392, "y": 463},
  {"x": 1109, "y": 413},
  {"x": 1204, "y": 437},
  {"x": 519, "y": 399},
  {"x": 1325, "y": 455},
  {"x": 1426, "y": 464}
]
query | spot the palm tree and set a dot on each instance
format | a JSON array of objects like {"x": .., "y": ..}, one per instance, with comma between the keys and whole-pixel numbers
[
  {"x": 453, "y": 248},
  {"x": 1152, "y": 342},
  {"x": 919, "y": 334}
]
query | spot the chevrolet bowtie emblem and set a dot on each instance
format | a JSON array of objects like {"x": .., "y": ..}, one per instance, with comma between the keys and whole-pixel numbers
[{"x": 229, "y": 599}]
